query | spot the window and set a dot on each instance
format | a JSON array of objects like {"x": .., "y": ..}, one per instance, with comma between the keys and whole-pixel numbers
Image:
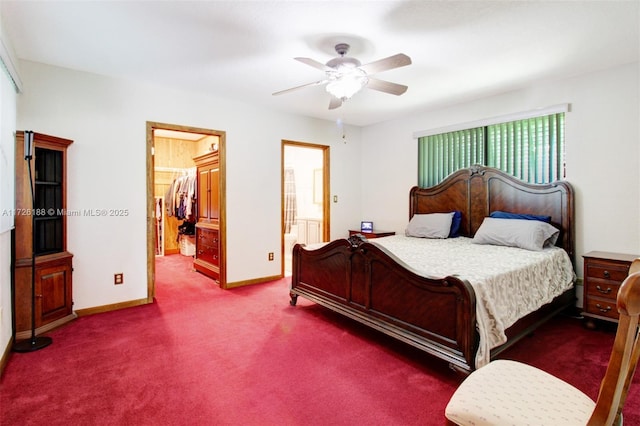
[{"x": 530, "y": 149}]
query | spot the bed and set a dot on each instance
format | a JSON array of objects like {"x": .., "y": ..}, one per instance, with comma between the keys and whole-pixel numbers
[{"x": 365, "y": 281}]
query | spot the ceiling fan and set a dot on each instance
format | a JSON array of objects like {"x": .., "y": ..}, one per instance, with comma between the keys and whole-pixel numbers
[{"x": 345, "y": 76}]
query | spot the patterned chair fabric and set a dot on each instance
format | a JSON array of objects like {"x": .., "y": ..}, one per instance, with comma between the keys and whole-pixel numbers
[{"x": 512, "y": 393}]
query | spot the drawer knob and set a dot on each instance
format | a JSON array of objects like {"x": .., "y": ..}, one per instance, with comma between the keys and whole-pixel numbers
[
  {"x": 607, "y": 291},
  {"x": 607, "y": 274},
  {"x": 603, "y": 310},
  {"x": 200, "y": 251}
]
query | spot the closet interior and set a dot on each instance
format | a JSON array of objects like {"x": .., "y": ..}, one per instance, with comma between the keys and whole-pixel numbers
[{"x": 176, "y": 190}]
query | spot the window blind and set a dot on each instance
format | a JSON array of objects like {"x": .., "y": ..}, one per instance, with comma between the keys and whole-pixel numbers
[
  {"x": 443, "y": 154},
  {"x": 530, "y": 149}
]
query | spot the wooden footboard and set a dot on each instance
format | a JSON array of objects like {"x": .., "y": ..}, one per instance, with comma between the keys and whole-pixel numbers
[{"x": 367, "y": 283}]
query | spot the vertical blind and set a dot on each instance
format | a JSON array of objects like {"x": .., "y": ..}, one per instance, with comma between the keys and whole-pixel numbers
[
  {"x": 440, "y": 155},
  {"x": 531, "y": 150}
]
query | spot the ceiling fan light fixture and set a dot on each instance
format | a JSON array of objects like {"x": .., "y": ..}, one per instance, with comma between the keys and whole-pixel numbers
[
  {"x": 346, "y": 85},
  {"x": 345, "y": 76}
]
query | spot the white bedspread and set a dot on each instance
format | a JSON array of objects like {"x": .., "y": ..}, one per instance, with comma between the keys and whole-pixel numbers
[{"x": 509, "y": 282}]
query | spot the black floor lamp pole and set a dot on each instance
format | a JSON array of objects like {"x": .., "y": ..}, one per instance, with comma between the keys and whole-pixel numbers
[{"x": 35, "y": 342}]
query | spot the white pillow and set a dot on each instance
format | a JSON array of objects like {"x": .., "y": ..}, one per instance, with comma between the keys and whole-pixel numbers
[
  {"x": 527, "y": 234},
  {"x": 432, "y": 225}
]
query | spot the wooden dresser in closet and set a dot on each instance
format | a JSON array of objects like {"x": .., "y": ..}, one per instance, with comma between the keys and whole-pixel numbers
[{"x": 207, "y": 257}]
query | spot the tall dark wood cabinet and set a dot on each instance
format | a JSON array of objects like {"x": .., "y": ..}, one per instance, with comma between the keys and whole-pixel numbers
[
  {"x": 53, "y": 263},
  {"x": 207, "y": 257}
]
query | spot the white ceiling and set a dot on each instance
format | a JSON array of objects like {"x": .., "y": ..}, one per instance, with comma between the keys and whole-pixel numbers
[{"x": 244, "y": 50}]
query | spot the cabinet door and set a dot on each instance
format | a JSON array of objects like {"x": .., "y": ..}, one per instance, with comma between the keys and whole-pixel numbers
[
  {"x": 302, "y": 231},
  {"x": 214, "y": 193},
  {"x": 53, "y": 292},
  {"x": 313, "y": 231},
  {"x": 203, "y": 195},
  {"x": 209, "y": 194}
]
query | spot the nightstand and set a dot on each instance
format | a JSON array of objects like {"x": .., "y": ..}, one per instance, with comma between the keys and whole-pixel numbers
[
  {"x": 374, "y": 234},
  {"x": 603, "y": 274}
]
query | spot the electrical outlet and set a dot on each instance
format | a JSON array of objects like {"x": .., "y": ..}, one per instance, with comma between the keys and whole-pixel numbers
[
  {"x": 270, "y": 255},
  {"x": 118, "y": 278}
]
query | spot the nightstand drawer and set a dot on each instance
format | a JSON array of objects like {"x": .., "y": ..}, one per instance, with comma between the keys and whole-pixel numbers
[
  {"x": 603, "y": 307},
  {"x": 604, "y": 271},
  {"x": 605, "y": 289}
]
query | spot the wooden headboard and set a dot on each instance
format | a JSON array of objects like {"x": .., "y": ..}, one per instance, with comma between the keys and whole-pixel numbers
[{"x": 478, "y": 191}]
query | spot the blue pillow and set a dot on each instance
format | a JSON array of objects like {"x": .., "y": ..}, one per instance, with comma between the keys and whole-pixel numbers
[
  {"x": 506, "y": 215},
  {"x": 455, "y": 224}
]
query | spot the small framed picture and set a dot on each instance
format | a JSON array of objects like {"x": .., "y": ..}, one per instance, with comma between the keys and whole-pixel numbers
[{"x": 366, "y": 226}]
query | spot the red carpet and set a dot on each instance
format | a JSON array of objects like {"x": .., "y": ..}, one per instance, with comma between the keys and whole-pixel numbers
[{"x": 205, "y": 356}]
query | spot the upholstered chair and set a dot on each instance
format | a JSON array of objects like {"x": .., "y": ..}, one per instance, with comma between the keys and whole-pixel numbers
[{"x": 512, "y": 393}]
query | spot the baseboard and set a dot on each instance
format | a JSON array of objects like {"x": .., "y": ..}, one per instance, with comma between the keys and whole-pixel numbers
[
  {"x": 5, "y": 356},
  {"x": 112, "y": 307},
  {"x": 251, "y": 282},
  {"x": 23, "y": 335}
]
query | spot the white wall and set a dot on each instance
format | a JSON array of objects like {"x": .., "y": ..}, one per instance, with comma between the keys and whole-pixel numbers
[
  {"x": 602, "y": 148},
  {"x": 107, "y": 118}
]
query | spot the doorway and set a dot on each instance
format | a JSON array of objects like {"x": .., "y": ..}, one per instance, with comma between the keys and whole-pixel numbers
[
  {"x": 175, "y": 147},
  {"x": 305, "y": 197}
]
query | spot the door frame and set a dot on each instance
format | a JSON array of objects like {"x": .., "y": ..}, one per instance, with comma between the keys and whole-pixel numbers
[
  {"x": 326, "y": 190},
  {"x": 151, "y": 228}
]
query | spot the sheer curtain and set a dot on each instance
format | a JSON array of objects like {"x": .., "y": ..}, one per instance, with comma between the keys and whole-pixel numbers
[{"x": 290, "y": 204}]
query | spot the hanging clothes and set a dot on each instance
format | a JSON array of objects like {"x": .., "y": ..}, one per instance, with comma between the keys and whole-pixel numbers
[{"x": 181, "y": 196}]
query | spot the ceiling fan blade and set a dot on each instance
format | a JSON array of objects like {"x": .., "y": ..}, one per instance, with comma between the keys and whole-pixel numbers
[
  {"x": 335, "y": 103},
  {"x": 395, "y": 61},
  {"x": 315, "y": 83},
  {"x": 313, "y": 63},
  {"x": 386, "y": 86}
]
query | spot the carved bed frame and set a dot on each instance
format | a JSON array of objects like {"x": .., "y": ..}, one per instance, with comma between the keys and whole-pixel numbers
[{"x": 367, "y": 283}]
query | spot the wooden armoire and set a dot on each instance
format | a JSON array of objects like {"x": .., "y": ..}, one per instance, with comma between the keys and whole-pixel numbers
[
  {"x": 48, "y": 220},
  {"x": 207, "y": 256}
]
